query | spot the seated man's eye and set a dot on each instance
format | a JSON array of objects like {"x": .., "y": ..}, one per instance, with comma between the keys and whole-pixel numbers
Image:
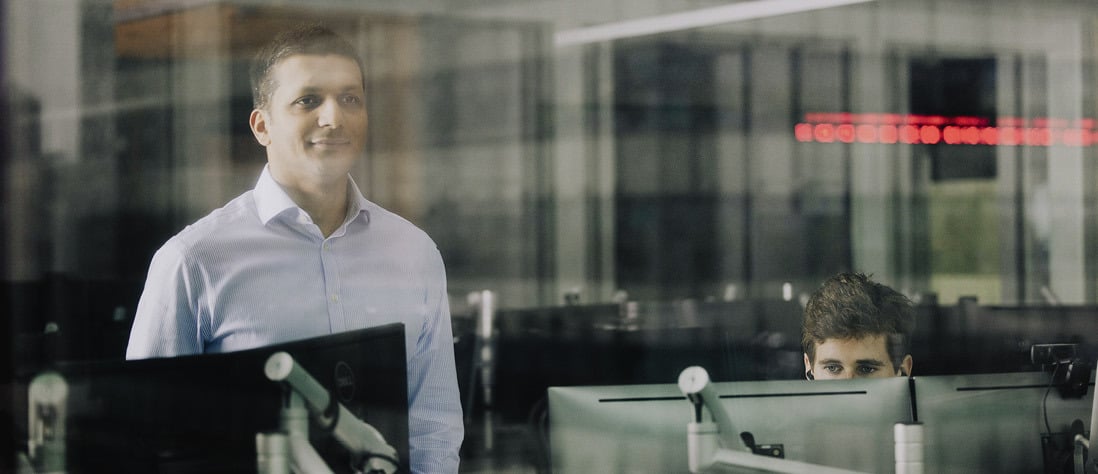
[
  {"x": 833, "y": 368},
  {"x": 867, "y": 369}
]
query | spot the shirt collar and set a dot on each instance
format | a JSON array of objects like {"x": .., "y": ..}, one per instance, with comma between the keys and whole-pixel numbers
[
  {"x": 271, "y": 200},
  {"x": 356, "y": 202}
]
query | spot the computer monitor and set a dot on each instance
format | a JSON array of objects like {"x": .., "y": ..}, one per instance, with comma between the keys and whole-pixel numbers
[
  {"x": 642, "y": 428},
  {"x": 995, "y": 422},
  {"x": 201, "y": 413}
]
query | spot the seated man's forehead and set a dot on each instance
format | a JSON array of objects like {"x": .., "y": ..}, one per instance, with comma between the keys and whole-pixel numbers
[{"x": 872, "y": 347}]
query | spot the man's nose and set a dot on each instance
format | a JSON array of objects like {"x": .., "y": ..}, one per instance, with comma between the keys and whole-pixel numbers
[{"x": 329, "y": 115}]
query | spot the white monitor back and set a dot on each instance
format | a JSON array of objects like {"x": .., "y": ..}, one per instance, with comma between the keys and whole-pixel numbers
[
  {"x": 642, "y": 428},
  {"x": 992, "y": 422}
]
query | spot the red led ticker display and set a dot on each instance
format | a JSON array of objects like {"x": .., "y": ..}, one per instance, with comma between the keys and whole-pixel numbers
[{"x": 842, "y": 127}]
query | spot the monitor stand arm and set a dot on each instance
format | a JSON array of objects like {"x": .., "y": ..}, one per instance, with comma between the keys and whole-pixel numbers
[
  {"x": 702, "y": 444},
  {"x": 288, "y": 450},
  {"x": 712, "y": 446},
  {"x": 306, "y": 396},
  {"x": 48, "y": 400},
  {"x": 303, "y": 458},
  {"x": 1085, "y": 461}
]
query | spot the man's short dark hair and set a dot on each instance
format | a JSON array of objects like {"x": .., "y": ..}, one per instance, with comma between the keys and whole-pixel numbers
[
  {"x": 311, "y": 38},
  {"x": 851, "y": 306}
]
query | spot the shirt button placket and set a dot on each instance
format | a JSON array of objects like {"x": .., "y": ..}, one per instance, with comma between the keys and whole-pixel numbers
[{"x": 331, "y": 285}]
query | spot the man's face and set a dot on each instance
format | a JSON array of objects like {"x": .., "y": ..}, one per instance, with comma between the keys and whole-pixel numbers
[
  {"x": 314, "y": 125},
  {"x": 854, "y": 358}
]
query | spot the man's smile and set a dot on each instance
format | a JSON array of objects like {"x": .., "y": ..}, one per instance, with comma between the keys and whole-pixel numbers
[{"x": 330, "y": 142}]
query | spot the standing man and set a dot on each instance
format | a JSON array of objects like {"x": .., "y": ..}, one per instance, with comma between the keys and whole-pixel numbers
[
  {"x": 855, "y": 327},
  {"x": 304, "y": 254}
]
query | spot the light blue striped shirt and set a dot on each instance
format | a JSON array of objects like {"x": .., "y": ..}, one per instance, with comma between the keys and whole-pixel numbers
[{"x": 258, "y": 271}]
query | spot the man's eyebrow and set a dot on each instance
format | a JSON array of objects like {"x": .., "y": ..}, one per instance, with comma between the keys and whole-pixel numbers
[
  {"x": 314, "y": 89},
  {"x": 870, "y": 362},
  {"x": 829, "y": 361}
]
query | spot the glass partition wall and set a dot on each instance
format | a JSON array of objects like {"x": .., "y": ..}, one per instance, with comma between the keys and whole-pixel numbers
[
  {"x": 596, "y": 150},
  {"x": 557, "y": 148},
  {"x": 593, "y": 150}
]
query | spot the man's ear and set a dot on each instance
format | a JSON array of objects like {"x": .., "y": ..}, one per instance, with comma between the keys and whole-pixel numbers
[
  {"x": 258, "y": 123},
  {"x": 905, "y": 366},
  {"x": 807, "y": 364}
]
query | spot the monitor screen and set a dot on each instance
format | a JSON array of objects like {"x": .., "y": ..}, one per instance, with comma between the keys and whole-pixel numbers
[
  {"x": 642, "y": 428},
  {"x": 995, "y": 422},
  {"x": 201, "y": 413}
]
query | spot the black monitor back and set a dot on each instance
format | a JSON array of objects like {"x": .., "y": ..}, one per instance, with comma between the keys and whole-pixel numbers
[{"x": 201, "y": 413}]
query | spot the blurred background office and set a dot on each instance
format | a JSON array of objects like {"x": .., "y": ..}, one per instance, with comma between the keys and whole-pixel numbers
[{"x": 637, "y": 183}]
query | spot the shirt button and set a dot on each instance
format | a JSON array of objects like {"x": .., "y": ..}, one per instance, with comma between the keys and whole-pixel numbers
[
  {"x": 335, "y": 298},
  {"x": 327, "y": 246}
]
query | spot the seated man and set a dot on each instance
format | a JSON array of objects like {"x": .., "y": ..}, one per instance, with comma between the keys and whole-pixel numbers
[{"x": 855, "y": 327}]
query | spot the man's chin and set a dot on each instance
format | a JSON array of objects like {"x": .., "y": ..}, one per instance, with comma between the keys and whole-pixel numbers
[
  {"x": 337, "y": 157},
  {"x": 331, "y": 165}
]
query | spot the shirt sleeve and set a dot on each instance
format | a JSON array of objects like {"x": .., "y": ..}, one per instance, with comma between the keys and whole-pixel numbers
[
  {"x": 435, "y": 421},
  {"x": 165, "y": 324}
]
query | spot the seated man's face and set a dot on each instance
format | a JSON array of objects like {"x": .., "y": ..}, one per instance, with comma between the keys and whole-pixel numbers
[{"x": 854, "y": 358}]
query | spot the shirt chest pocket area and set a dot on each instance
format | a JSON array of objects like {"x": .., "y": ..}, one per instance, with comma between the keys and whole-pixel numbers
[{"x": 386, "y": 304}]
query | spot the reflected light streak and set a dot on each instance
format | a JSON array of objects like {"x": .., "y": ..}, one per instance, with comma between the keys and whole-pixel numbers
[{"x": 693, "y": 19}]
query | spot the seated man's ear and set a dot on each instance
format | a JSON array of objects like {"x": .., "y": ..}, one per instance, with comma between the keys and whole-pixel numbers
[
  {"x": 905, "y": 366},
  {"x": 808, "y": 368}
]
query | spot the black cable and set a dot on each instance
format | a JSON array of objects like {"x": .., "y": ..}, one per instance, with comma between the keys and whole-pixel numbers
[
  {"x": 914, "y": 400},
  {"x": 1044, "y": 401},
  {"x": 331, "y": 412},
  {"x": 362, "y": 461},
  {"x": 538, "y": 421},
  {"x": 1044, "y": 409}
]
